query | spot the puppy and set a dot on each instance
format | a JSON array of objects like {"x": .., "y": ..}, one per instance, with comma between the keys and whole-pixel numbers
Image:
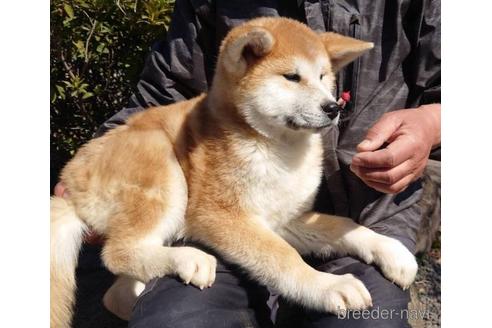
[{"x": 236, "y": 169}]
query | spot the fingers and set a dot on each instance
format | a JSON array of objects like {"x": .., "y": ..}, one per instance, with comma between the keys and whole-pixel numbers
[
  {"x": 380, "y": 132},
  {"x": 386, "y": 176},
  {"x": 394, "y": 188},
  {"x": 61, "y": 190},
  {"x": 390, "y": 181},
  {"x": 390, "y": 170},
  {"x": 90, "y": 237},
  {"x": 400, "y": 150}
]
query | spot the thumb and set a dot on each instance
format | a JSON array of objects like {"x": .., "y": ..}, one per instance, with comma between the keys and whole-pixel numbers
[{"x": 379, "y": 133}]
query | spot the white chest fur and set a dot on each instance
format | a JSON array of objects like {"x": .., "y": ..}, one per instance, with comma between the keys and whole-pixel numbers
[{"x": 279, "y": 182}]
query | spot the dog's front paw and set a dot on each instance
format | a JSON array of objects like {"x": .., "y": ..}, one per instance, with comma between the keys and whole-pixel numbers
[
  {"x": 194, "y": 266},
  {"x": 396, "y": 261},
  {"x": 342, "y": 293}
]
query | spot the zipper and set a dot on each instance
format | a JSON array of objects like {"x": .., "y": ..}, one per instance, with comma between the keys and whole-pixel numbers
[
  {"x": 355, "y": 31},
  {"x": 349, "y": 80},
  {"x": 327, "y": 12}
]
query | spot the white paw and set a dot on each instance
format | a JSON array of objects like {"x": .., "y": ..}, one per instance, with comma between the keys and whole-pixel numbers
[
  {"x": 342, "y": 293},
  {"x": 396, "y": 261},
  {"x": 194, "y": 266}
]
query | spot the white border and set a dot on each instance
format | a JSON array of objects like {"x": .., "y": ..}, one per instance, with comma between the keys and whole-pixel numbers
[
  {"x": 466, "y": 168},
  {"x": 24, "y": 160}
]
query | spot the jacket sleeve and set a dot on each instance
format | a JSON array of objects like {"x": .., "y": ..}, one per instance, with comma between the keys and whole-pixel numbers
[
  {"x": 423, "y": 67},
  {"x": 178, "y": 67}
]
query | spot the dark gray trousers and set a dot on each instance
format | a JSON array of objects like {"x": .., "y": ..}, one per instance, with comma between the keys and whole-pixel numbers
[{"x": 236, "y": 301}]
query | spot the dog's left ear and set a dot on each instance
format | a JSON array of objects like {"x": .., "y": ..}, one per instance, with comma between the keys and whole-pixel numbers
[
  {"x": 243, "y": 46},
  {"x": 342, "y": 49}
]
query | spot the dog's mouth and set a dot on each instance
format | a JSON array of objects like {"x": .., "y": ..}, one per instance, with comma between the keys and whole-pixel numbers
[{"x": 296, "y": 124}]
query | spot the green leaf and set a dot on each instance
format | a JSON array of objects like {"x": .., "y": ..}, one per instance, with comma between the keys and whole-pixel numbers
[
  {"x": 69, "y": 10},
  {"x": 100, "y": 47},
  {"x": 53, "y": 97},
  {"x": 80, "y": 45},
  {"x": 61, "y": 91},
  {"x": 87, "y": 95}
]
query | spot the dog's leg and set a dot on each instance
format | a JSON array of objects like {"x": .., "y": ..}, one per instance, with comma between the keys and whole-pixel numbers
[
  {"x": 273, "y": 262},
  {"x": 135, "y": 238},
  {"x": 322, "y": 234},
  {"x": 144, "y": 260},
  {"x": 150, "y": 204},
  {"x": 143, "y": 257}
]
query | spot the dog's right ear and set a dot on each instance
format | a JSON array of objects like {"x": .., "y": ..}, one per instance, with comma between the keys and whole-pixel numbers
[
  {"x": 342, "y": 49},
  {"x": 243, "y": 46}
]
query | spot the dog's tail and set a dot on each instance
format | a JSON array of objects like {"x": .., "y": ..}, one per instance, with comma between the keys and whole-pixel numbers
[{"x": 66, "y": 238}]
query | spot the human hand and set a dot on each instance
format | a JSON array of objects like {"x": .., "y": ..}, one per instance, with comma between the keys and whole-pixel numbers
[
  {"x": 410, "y": 135},
  {"x": 61, "y": 191},
  {"x": 90, "y": 237}
]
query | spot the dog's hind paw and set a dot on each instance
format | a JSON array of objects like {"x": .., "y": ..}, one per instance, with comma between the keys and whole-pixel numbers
[{"x": 120, "y": 298}]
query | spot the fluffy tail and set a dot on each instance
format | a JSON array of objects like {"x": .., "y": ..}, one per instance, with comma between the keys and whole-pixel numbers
[{"x": 66, "y": 238}]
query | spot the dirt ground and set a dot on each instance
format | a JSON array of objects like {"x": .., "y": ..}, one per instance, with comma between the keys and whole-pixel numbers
[{"x": 426, "y": 292}]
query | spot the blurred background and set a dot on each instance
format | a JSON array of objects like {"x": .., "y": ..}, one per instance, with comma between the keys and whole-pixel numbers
[{"x": 98, "y": 49}]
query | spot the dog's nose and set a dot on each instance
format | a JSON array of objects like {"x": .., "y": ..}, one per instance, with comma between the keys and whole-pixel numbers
[{"x": 331, "y": 109}]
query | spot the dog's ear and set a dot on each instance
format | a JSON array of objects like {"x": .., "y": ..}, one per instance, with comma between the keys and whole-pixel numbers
[
  {"x": 243, "y": 46},
  {"x": 342, "y": 49}
]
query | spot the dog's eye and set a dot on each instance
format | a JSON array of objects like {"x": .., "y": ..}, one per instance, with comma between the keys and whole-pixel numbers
[
  {"x": 292, "y": 77},
  {"x": 321, "y": 76}
]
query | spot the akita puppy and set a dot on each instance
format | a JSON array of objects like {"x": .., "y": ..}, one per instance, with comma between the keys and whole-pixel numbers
[{"x": 236, "y": 169}]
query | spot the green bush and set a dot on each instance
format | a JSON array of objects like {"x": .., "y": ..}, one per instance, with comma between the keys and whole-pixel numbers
[{"x": 97, "y": 52}]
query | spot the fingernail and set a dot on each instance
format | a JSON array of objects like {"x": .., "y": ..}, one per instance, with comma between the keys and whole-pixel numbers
[
  {"x": 355, "y": 162},
  {"x": 364, "y": 144}
]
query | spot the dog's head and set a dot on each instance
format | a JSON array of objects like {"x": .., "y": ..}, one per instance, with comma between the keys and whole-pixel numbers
[{"x": 280, "y": 75}]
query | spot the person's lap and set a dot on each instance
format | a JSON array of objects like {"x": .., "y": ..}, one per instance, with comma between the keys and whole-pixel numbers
[
  {"x": 232, "y": 301},
  {"x": 389, "y": 308},
  {"x": 235, "y": 301}
]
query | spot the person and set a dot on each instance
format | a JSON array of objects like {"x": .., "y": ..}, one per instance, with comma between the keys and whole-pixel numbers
[{"x": 371, "y": 176}]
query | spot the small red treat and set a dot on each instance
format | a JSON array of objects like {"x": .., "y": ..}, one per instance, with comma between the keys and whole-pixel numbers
[{"x": 346, "y": 96}]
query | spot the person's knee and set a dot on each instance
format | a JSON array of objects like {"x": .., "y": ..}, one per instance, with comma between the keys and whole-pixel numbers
[
  {"x": 232, "y": 301},
  {"x": 168, "y": 303}
]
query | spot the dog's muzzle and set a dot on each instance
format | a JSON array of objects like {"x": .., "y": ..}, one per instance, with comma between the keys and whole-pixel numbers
[{"x": 331, "y": 109}]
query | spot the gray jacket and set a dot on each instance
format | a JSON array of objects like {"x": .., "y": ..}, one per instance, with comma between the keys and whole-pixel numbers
[{"x": 402, "y": 71}]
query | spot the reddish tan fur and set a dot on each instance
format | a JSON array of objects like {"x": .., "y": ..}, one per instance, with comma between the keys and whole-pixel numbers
[{"x": 123, "y": 183}]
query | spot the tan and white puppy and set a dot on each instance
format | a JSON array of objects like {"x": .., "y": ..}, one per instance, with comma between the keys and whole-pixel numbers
[{"x": 236, "y": 169}]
